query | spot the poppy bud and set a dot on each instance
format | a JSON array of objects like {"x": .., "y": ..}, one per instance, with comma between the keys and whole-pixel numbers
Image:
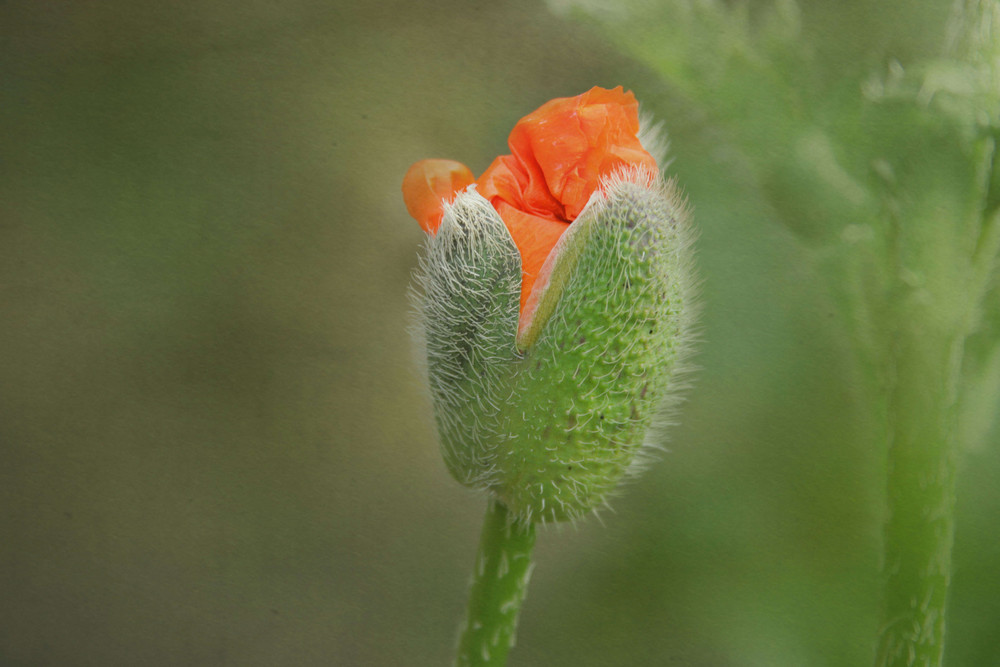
[{"x": 555, "y": 304}]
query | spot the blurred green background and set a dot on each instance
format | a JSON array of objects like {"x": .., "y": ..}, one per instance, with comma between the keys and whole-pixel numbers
[{"x": 215, "y": 448}]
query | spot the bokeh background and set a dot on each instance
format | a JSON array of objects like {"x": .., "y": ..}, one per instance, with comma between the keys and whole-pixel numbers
[{"x": 215, "y": 448}]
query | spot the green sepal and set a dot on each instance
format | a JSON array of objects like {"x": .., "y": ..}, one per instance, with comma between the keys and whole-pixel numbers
[
  {"x": 598, "y": 356},
  {"x": 470, "y": 283}
]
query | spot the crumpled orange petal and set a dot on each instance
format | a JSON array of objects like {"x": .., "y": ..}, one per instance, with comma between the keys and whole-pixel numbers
[
  {"x": 535, "y": 237},
  {"x": 559, "y": 154},
  {"x": 428, "y": 184},
  {"x": 570, "y": 143}
]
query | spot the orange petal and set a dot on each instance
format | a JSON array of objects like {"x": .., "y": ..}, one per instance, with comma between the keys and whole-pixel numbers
[
  {"x": 570, "y": 143},
  {"x": 428, "y": 184},
  {"x": 504, "y": 179},
  {"x": 534, "y": 237},
  {"x": 520, "y": 184}
]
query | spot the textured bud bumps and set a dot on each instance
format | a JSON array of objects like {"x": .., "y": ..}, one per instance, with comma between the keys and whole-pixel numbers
[{"x": 552, "y": 417}]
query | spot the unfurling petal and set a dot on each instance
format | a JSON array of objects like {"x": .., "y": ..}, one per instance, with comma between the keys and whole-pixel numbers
[{"x": 428, "y": 185}]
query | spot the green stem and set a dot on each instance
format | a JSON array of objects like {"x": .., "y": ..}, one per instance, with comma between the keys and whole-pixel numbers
[
  {"x": 921, "y": 494},
  {"x": 499, "y": 584}
]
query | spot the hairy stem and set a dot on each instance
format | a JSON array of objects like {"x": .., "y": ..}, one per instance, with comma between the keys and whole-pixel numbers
[{"x": 499, "y": 584}]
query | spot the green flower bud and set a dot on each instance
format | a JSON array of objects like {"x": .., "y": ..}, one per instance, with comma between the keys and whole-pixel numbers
[{"x": 551, "y": 418}]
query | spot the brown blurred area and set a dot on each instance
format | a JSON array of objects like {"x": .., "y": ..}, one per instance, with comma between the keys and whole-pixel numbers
[{"x": 215, "y": 448}]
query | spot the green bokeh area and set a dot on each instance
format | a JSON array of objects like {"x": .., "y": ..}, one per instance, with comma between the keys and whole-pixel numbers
[{"x": 215, "y": 447}]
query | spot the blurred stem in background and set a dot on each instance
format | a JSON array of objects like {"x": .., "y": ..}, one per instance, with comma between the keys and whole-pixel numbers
[
  {"x": 921, "y": 500},
  {"x": 499, "y": 584},
  {"x": 878, "y": 154}
]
